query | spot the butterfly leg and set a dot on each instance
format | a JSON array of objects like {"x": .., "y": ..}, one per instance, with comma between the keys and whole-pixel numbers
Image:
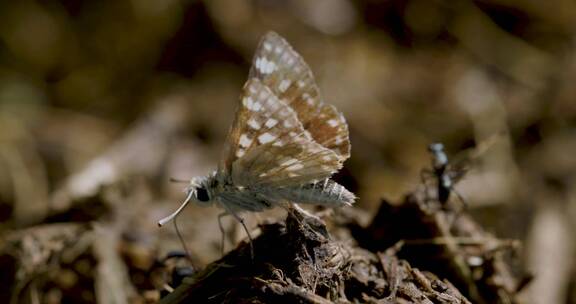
[
  {"x": 241, "y": 220},
  {"x": 223, "y": 239}
]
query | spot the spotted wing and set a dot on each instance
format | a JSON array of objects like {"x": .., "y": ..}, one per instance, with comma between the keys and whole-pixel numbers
[
  {"x": 284, "y": 71},
  {"x": 296, "y": 163},
  {"x": 267, "y": 143}
]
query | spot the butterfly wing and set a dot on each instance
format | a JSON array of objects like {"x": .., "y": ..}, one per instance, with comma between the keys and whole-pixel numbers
[
  {"x": 282, "y": 69},
  {"x": 296, "y": 163},
  {"x": 268, "y": 144}
]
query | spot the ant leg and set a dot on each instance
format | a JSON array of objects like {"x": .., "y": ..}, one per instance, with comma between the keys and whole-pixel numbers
[
  {"x": 461, "y": 199},
  {"x": 458, "y": 212},
  {"x": 425, "y": 175}
]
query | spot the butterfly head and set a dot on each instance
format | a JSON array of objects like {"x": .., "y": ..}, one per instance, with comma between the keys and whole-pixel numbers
[{"x": 199, "y": 191}]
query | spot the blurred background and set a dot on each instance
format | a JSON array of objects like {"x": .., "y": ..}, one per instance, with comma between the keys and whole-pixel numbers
[{"x": 102, "y": 102}]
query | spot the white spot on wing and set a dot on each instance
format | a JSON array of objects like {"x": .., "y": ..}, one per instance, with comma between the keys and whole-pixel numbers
[
  {"x": 273, "y": 105},
  {"x": 251, "y": 105},
  {"x": 264, "y": 65},
  {"x": 263, "y": 95},
  {"x": 316, "y": 149},
  {"x": 248, "y": 102},
  {"x": 271, "y": 122},
  {"x": 289, "y": 162},
  {"x": 253, "y": 124},
  {"x": 267, "y": 46},
  {"x": 240, "y": 153},
  {"x": 308, "y": 98},
  {"x": 245, "y": 141},
  {"x": 284, "y": 84},
  {"x": 252, "y": 88},
  {"x": 294, "y": 167},
  {"x": 260, "y": 64},
  {"x": 270, "y": 67},
  {"x": 266, "y": 138},
  {"x": 332, "y": 122}
]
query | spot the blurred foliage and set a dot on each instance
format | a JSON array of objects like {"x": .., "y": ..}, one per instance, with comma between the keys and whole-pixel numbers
[{"x": 101, "y": 102}]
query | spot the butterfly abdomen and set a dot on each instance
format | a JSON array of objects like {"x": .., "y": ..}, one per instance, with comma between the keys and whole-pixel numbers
[{"x": 326, "y": 193}]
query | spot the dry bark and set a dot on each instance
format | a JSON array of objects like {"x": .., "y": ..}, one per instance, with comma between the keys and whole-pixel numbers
[{"x": 297, "y": 261}]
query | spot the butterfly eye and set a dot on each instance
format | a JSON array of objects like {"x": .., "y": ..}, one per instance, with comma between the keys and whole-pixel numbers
[{"x": 202, "y": 195}]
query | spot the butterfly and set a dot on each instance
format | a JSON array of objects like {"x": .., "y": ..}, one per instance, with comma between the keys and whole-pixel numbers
[{"x": 284, "y": 144}]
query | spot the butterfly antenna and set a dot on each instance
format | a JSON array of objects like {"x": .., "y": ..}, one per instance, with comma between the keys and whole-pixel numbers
[
  {"x": 177, "y": 180},
  {"x": 167, "y": 219},
  {"x": 188, "y": 255}
]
